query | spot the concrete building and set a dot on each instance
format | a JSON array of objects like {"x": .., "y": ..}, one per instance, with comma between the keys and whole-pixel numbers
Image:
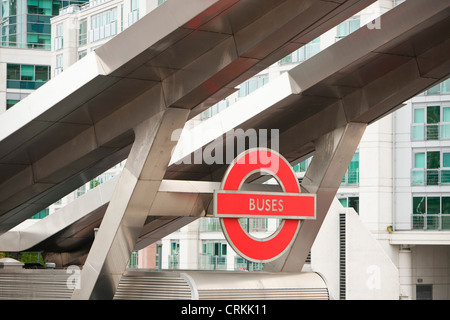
[{"x": 26, "y": 47}]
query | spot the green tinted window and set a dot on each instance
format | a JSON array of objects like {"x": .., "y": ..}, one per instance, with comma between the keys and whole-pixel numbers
[
  {"x": 419, "y": 115},
  {"x": 419, "y": 160},
  {"x": 13, "y": 72},
  {"x": 433, "y": 160},
  {"x": 10, "y": 103},
  {"x": 433, "y": 205},
  {"x": 42, "y": 73},
  {"x": 434, "y": 114},
  {"x": 446, "y": 205},
  {"x": 27, "y": 73},
  {"x": 418, "y": 205}
]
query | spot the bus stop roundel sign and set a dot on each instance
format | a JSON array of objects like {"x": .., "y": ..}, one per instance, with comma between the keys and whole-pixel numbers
[{"x": 231, "y": 203}]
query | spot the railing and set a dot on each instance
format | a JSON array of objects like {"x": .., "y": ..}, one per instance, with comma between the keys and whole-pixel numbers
[
  {"x": 92, "y": 4},
  {"x": 351, "y": 178},
  {"x": 134, "y": 260},
  {"x": 422, "y": 132},
  {"x": 210, "y": 262},
  {"x": 242, "y": 264},
  {"x": 209, "y": 225},
  {"x": 430, "y": 177},
  {"x": 25, "y": 45},
  {"x": 435, "y": 222},
  {"x": 254, "y": 225},
  {"x": 24, "y": 84},
  {"x": 69, "y": 9},
  {"x": 174, "y": 261},
  {"x": 103, "y": 32}
]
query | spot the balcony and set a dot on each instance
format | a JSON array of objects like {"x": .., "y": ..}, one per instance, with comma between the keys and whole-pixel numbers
[
  {"x": 430, "y": 177},
  {"x": 210, "y": 262},
  {"x": 242, "y": 264},
  {"x": 209, "y": 225},
  {"x": 434, "y": 222},
  {"x": 174, "y": 261},
  {"x": 426, "y": 132},
  {"x": 351, "y": 178},
  {"x": 24, "y": 84}
]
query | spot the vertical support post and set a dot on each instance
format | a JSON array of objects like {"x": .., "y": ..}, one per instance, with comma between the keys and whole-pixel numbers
[
  {"x": 405, "y": 273},
  {"x": 130, "y": 204},
  {"x": 333, "y": 154}
]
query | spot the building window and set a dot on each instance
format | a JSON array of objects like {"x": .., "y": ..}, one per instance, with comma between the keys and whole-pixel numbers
[
  {"x": 254, "y": 225},
  {"x": 82, "y": 35},
  {"x": 82, "y": 54},
  {"x": 59, "y": 64},
  {"x": 252, "y": 84},
  {"x": 431, "y": 168},
  {"x": 133, "y": 16},
  {"x": 347, "y": 27},
  {"x": 215, "y": 109},
  {"x": 441, "y": 88},
  {"x": 349, "y": 201},
  {"x": 209, "y": 225},
  {"x": 10, "y": 103},
  {"x": 26, "y": 24},
  {"x": 103, "y": 25},
  {"x": 303, "y": 53},
  {"x": 59, "y": 37},
  {"x": 243, "y": 264},
  {"x": 214, "y": 255},
  {"x": 81, "y": 190},
  {"x": 134, "y": 260},
  {"x": 26, "y": 76},
  {"x": 351, "y": 177},
  {"x": 43, "y": 7},
  {"x": 431, "y": 123},
  {"x": 397, "y": 2},
  {"x": 41, "y": 214},
  {"x": 302, "y": 166},
  {"x": 431, "y": 212},
  {"x": 174, "y": 258}
]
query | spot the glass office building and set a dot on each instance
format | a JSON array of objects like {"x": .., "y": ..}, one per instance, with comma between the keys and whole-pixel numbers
[{"x": 26, "y": 23}]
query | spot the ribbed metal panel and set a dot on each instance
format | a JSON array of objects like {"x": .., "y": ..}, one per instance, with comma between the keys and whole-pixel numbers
[
  {"x": 34, "y": 285},
  {"x": 342, "y": 257},
  {"x": 141, "y": 285},
  {"x": 271, "y": 294}
]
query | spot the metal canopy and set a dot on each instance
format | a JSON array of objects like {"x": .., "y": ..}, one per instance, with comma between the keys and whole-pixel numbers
[
  {"x": 360, "y": 79},
  {"x": 181, "y": 55},
  {"x": 375, "y": 67}
]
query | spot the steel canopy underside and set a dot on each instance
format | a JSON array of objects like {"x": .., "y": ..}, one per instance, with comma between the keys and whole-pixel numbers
[
  {"x": 80, "y": 124},
  {"x": 88, "y": 127}
]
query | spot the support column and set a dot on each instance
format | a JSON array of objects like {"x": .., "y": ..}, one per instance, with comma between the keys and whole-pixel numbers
[
  {"x": 405, "y": 273},
  {"x": 332, "y": 156},
  {"x": 130, "y": 204}
]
